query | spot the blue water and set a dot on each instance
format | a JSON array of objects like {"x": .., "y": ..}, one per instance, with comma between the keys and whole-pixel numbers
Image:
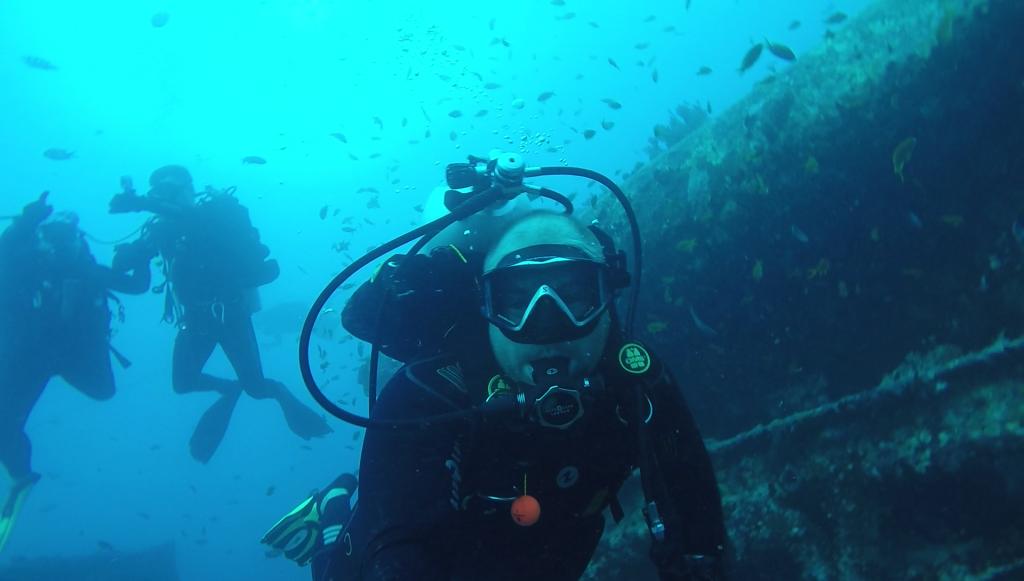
[{"x": 275, "y": 79}]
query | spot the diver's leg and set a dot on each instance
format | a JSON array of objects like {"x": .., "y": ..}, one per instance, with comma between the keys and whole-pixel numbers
[
  {"x": 23, "y": 381},
  {"x": 192, "y": 349},
  {"x": 239, "y": 344},
  {"x": 23, "y": 377},
  {"x": 88, "y": 369}
]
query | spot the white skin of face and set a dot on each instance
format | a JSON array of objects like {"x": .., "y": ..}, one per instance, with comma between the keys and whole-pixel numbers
[{"x": 584, "y": 353}]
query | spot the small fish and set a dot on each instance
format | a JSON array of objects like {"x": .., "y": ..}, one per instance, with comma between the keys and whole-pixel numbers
[
  {"x": 453, "y": 136},
  {"x": 340, "y": 137},
  {"x": 612, "y": 103},
  {"x": 812, "y": 166},
  {"x": 953, "y": 220},
  {"x": 159, "y": 20},
  {"x": 1017, "y": 229},
  {"x": 58, "y": 154},
  {"x": 405, "y": 122},
  {"x": 799, "y": 234},
  {"x": 566, "y": 16},
  {"x": 379, "y": 123},
  {"x": 491, "y": 86},
  {"x": 323, "y": 213},
  {"x": 983, "y": 283},
  {"x": 374, "y": 202},
  {"x": 353, "y": 157},
  {"x": 38, "y": 63},
  {"x": 253, "y": 160},
  {"x": 757, "y": 273},
  {"x": 780, "y": 50},
  {"x": 654, "y": 75},
  {"x": 750, "y": 59},
  {"x": 455, "y": 113},
  {"x": 270, "y": 490},
  {"x": 481, "y": 113},
  {"x": 612, "y": 62},
  {"x": 545, "y": 96},
  {"x": 589, "y": 134},
  {"x": 558, "y": 2},
  {"x": 915, "y": 220},
  {"x": 518, "y": 104},
  {"x": 701, "y": 325},
  {"x": 944, "y": 31},
  {"x": 104, "y": 545},
  {"x": 367, "y": 189},
  {"x": 144, "y": 516},
  {"x": 656, "y": 327},
  {"x": 607, "y": 125},
  {"x": 641, "y": 45},
  {"x": 794, "y": 25},
  {"x": 901, "y": 156},
  {"x": 650, "y": 18},
  {"x": 836, "y": 18},
  {"x": 704, "y": 71}
]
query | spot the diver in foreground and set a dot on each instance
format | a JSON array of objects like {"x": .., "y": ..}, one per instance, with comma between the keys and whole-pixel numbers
[
  {"x": 54, "y": 320},
  {"x": 493, "y": 452},
  {"x": 214, "y": 264}
]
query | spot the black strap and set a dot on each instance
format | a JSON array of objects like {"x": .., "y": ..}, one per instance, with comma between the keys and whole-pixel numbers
[{"x": 121, "y": 359}]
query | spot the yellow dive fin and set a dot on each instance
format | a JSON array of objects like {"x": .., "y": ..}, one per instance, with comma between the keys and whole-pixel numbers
[{"x": 12, "y": 506}]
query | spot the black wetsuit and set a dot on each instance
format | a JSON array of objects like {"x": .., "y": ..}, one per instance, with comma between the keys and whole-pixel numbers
[
  {"x": 214, "y": 262},
  {"x": 434, "y": 502},
  {"x": 54, "y": 320}
]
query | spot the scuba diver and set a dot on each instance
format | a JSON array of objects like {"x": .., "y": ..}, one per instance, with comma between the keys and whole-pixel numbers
[
  {"x": 214, "y": 263},
  {"x": 54, "y": 320},
  {"x": 523, "y": 407}
]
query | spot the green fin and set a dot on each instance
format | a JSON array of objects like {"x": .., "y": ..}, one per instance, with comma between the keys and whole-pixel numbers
[
  {"x": 296, "y": 533},
  {"x": 15, "y": 500}
]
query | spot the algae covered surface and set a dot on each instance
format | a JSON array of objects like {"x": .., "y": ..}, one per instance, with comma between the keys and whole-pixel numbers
[{"x": 855, "y": 217}]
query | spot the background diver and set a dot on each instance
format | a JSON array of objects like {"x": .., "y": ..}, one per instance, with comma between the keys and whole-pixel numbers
[
  {"x": 519, "y": 493},
  {"x": 54, "y": 320},
  {"x": 213, "y": 263}
]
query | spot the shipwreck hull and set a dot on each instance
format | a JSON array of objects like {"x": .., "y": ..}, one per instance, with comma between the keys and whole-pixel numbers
[{"x": 853, "y": 211}]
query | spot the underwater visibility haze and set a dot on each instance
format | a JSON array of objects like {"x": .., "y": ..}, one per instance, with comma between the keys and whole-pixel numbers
[{"x": 830, "y": 196}]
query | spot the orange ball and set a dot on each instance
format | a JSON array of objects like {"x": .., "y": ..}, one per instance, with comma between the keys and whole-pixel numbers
[{"x": 525, "y": 510}]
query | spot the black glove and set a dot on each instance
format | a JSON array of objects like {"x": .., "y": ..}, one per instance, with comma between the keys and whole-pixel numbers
[
  {"x": 125, "y": 202},
  {"x": 37, "y": 211},
  {"x": 128, "y": 257}
]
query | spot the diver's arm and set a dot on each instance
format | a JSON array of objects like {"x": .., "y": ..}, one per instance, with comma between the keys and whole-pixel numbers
[
  {"x": 136, "y": 255},
  {"x": 120, "y": 281},
  {"x": 126, "y": 202},
  {"x": 689, "y": 501},
  {"x": 23, "y": 228},
  {"x": 409, "y": 487}
]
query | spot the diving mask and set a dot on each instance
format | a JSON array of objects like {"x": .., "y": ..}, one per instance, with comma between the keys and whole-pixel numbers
[{"x": 546, "y": 294}]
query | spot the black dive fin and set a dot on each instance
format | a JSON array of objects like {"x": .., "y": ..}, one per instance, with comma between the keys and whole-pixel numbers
[{"x": 212, "y": 426}]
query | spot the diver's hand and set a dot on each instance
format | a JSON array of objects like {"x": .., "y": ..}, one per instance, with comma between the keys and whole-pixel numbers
[
  {"x": 37, "y": 211},
  {"x": 129, "y": 257},
  {"x": 125, "y": 202}
]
